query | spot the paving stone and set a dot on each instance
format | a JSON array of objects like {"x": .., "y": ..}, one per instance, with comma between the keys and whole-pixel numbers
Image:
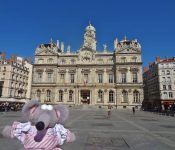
[{"x": 123, "y": 131}]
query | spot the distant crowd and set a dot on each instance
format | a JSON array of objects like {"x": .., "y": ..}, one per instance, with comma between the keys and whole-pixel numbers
[{"x": 10, "y": 106}]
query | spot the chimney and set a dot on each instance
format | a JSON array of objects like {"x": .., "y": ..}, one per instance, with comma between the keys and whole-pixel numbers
[
  {"x": 145, "y": 69},
  {"x": 158, "y": 59}
]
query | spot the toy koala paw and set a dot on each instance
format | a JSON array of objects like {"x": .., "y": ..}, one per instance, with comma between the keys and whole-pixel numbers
[
  {"x": 72, "y": 137},
  {"x": 7, "y": 131}
]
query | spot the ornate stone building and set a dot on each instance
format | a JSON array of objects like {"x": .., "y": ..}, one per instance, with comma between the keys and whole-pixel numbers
[
  {"x": 15, "y": 78},
  {"x": 88, "y": 76},
  {"x": 159, "y": 84}
]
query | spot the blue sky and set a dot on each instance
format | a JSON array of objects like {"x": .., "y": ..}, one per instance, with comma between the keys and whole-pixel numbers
[{"x": 24, "y": 24}]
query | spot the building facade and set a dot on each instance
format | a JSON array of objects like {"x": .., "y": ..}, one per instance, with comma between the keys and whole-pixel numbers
[
  {"x": 15, "y": 78},
  {"x": 159, "y": 84},
  {"x": 88, "y": 76}
]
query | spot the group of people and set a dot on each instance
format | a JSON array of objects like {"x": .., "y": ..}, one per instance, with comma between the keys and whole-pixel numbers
[
  {"x": 109, "y": 111},
  {"x": 10, "y": 106}
]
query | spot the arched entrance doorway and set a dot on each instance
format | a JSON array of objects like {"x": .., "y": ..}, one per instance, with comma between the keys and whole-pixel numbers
[{"x": 85, "y": 96}]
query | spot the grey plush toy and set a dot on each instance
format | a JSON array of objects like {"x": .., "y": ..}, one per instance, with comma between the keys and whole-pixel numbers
[{"x": 44, "y": 129}]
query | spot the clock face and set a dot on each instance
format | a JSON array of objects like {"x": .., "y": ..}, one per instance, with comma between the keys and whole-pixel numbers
[{"x": 88, "y": 44}]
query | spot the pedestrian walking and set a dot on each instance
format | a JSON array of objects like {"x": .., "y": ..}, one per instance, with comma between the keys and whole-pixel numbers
[
  {"x": 133, "y": 110},
  {"x": 109, "y": 111}
]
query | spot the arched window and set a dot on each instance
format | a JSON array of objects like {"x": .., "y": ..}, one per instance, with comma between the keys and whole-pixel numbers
[
  {"x": 111, "y": 96},
  {"x": 60, "y": 95},
  {"x": 123, "y": 59},
  {"x": 40, "y": 61},
  {"x": 125, "y": 96},
  {"x": 48, "y": 96},
  {"x": 134, "y": 76},
  {"x": 168, "y": 72},
  {"x": 136, "y": 96},
  {"x": 100, "y": 60},
  {"x": 71, "y": 95},
  {"x": 50, "y": 61},
  {"x": 134, "y": 59},
  {"x": 63, "y": 61},
  {"x": 165, "y": 95},
  {"x": 38, "y": 94},
  {"x": 72, "y": 61},
  {"x": 100, "y": 96}
]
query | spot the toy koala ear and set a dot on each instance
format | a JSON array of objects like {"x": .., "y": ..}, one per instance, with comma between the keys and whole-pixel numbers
[
  {"x": 30, "y": 107},
  {"x": 62, "y": 113}
]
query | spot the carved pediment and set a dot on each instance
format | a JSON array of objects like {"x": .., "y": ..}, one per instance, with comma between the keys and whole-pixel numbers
[
  {"x": 72, "y": 71},
  {"x": 49, "y": 70},
  {"x": 109, "y": 70},
  {"x": 99, "y": 70},
  {"x": 39, "y": 70},
  {"x": 134, "y": 69},
  {"x": 123, "y": 69},
  {"x": 129, "y": 50},
  {"x": 45, "y": 52},
  {"x": 62, "y": 71},
  {"x": 85, "y": 71}
]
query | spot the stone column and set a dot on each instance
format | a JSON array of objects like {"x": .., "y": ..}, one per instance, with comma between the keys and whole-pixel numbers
[
  {"x": 106, "y": 100},
  {"x": 92, "y": 96},
  {"x": 105, "y": 77}
]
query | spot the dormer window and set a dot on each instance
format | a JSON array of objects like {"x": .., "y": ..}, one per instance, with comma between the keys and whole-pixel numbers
[
  {"x": 50, "y": 61},
  {"x": 134, "y": 59},
  {"x": 72, "y": 61},
  {"x": 123, "y": 59},
  {"x": 63, "y": 61},
  {"x": 40, "y": 61}
]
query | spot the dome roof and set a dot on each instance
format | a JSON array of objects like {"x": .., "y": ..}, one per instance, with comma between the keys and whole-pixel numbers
[{"x": 90, "y": 27}]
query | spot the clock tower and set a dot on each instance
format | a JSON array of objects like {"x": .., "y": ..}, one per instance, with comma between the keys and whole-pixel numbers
[{"x": 90, "y": 38}]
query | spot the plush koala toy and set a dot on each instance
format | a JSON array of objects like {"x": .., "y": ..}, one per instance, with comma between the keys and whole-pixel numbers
[{"x": 44, "y": 129}]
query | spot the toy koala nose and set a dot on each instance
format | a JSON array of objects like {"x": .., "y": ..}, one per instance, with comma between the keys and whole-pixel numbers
[{"x": 40, "y": 125}]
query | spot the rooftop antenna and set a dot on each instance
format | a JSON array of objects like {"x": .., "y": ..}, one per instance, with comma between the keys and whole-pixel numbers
[{"x": 89, "y": 22}]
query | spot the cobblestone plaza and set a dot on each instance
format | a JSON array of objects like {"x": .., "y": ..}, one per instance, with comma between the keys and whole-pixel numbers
[{"x": 123, "y": 131}]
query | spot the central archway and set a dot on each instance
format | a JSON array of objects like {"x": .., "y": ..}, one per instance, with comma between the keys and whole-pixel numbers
[{"x": 85, "y": 96}]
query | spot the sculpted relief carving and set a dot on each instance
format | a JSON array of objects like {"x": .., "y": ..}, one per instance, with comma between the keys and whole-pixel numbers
[{"x": 86, "y": 56}]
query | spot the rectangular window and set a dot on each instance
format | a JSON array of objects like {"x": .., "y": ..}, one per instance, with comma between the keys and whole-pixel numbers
[
  {"x": 170, "y": 95},
  {"x": 163, "y": 72},
  {"x": 134, "y": 77},
  {"x": 169, "y": 87},
  {"x": 72, "y": 78},
  {"x": 110, "y": 78},
  {"x": 163, "y": 79},
  {"x": 168, "y": 72},
  {"x": 85, "y": 78},
  {"x": 49, "y": 77},
  {"x": 39, "y": 77},
  {"x": 100, "y": 78},
  {"x": 168, "y": 79},
  {"x": 123, "y": 77},
  {"x": 164, "y": 87},
  {"x": 62, "y": 77}
]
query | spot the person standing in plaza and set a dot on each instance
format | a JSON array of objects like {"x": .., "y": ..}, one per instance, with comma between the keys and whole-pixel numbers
[
  {"x": 133, "y": 110},
  {"x": 109, "y": 111}
]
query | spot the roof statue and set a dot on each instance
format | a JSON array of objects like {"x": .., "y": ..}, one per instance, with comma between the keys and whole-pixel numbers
[
  {"x": 124, "y": 39},
  {"x": 51, "y": 43},
  {"x": 68, "y": 49},
  {"x": 62, "y": 46},
  {"x": 58, "y": 44},
  {"x": 105, "y": 47},
  {"x": 115, "y": 43}
]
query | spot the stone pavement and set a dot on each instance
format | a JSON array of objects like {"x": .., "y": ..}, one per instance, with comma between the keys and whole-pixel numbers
[{"x": 123, "y": 131}]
